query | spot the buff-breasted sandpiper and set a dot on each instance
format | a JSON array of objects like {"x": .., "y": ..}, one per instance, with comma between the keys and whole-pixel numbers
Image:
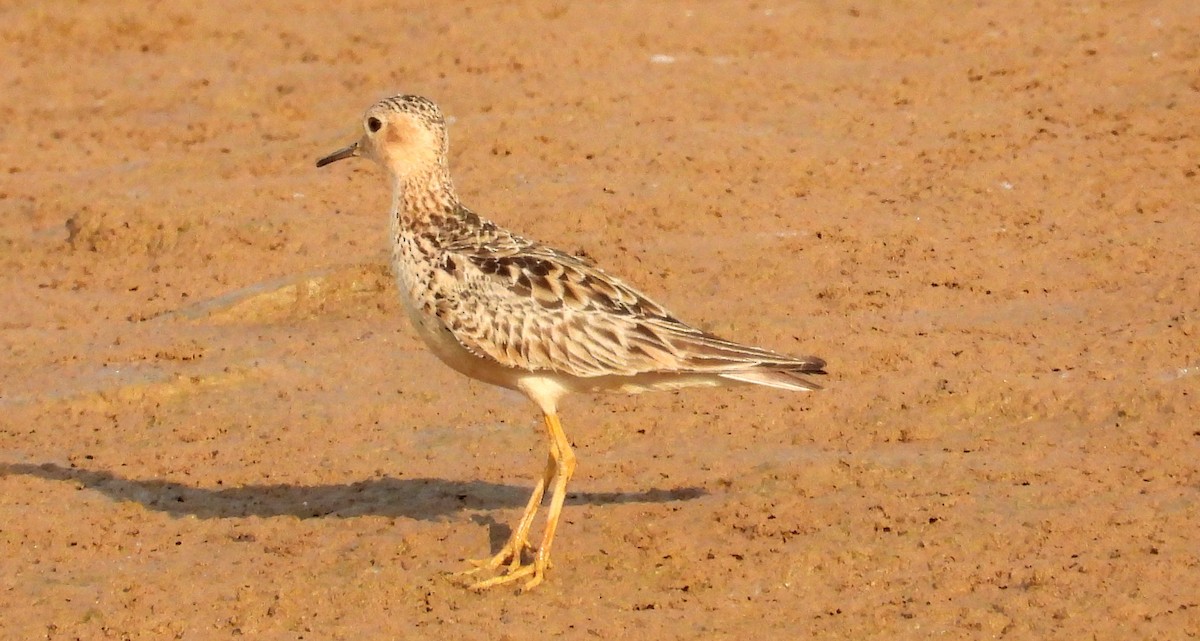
[{"x": 513, "y": 312}]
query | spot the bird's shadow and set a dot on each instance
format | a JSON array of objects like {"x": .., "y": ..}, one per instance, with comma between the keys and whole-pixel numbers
[{"x": 417, "y": 498}]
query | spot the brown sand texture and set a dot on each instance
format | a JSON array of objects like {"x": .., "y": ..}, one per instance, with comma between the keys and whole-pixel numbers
[{"x": 215, "y": 421}]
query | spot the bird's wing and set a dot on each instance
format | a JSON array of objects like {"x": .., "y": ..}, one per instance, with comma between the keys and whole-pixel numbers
[{"x": 529, "y": 306}]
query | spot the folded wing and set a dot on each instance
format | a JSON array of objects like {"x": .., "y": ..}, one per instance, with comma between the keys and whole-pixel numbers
[{"x": 533, "y": 307}]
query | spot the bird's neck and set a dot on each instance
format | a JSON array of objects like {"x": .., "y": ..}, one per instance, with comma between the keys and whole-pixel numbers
[{"x": 419, "y": 198}]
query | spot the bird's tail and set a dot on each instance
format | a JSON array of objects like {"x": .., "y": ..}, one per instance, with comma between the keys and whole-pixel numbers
[
  {"x": 706, "y": 353},
  {"x": 778, "y": 378}
]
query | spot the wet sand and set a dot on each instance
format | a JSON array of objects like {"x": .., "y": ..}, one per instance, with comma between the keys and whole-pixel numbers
[{"x": 215, "y": 420}]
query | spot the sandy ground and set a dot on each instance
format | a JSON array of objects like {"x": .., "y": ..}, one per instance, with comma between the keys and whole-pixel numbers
[{"x": 214, "y": 420}]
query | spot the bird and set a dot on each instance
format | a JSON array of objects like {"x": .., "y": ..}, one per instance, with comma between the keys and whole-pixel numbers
[{"x": 519, "y": 314}]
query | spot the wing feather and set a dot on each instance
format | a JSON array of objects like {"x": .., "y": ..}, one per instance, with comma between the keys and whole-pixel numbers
[{"x": 532, "y": 307}]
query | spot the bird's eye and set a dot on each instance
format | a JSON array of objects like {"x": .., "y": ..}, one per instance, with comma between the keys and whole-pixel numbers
[{"x": 373, "y": 124}]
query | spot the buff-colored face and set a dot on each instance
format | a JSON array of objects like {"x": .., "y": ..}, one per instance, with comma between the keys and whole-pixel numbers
[{"x": 405, "y": 134}]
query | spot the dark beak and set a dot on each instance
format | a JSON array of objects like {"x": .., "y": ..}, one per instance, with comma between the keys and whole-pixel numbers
[{"x": 340, "y": 154}]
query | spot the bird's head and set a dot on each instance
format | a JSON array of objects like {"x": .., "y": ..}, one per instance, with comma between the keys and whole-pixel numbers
[{"x": 405, "y": 134}]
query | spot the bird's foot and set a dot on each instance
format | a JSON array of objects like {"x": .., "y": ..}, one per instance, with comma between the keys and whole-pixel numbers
[
  {"x": 510, "y": 554},
  {"x": 535, "y": 572},
  {"x": 508, "y": 562}
]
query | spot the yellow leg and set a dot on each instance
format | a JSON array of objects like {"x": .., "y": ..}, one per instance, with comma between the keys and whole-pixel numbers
[
  {"x": 566, "y": 468},
  {"x": 518, "y": 542},
  {"x": 563, "y": 460}
]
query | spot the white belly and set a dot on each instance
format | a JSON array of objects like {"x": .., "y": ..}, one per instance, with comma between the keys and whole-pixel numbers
[{"x": 442, "y": 342}]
